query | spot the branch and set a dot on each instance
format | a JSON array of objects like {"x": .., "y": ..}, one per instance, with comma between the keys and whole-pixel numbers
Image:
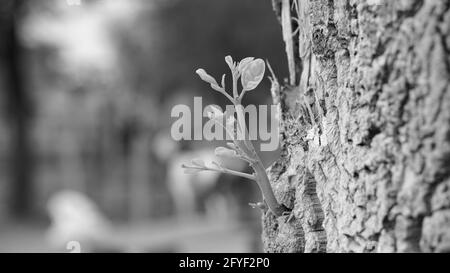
[{"x": 222, "y": 170}]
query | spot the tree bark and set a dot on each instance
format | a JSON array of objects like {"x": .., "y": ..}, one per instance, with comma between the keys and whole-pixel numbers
[{"x": 365, "y": 126}]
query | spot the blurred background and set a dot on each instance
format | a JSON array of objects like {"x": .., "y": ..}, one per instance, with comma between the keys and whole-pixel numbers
[{"x": 86, "y": 90}]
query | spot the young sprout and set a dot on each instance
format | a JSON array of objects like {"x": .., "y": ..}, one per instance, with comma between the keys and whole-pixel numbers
[{"x": 251, "y": 72}]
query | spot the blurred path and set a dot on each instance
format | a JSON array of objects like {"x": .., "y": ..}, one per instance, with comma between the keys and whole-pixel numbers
[{"x": 187, "y": 235}]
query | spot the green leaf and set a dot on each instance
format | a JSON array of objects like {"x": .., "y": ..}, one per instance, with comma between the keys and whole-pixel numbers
[
  {"x": 252, "y": 74},
  {"x": 216, "y": 164},
  {"x": 244, "y": 62},
  {"x": 216, "y": 87},
  {"x": 232, "y": 146},
  {"x": 198, "y": 162},
  {"x": 223, "y": 81},
  {"x": 225, "y": 152},
  {"x": 229, "y": 61},
  {"x": 205, "y": 76}
]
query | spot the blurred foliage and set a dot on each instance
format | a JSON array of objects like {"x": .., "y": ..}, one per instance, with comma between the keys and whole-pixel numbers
[
  {"x": 167, "y": 44},
  {"x": 101, "y": 79}
]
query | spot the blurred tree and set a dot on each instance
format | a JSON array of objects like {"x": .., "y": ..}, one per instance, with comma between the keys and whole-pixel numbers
[
  {"x": 17, "y": 109},
  {"x": 169, "y": 42},
  {"x": 103, "y": 76}
]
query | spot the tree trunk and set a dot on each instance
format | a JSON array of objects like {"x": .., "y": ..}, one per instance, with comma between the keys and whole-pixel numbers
[{"x": 365, "y": 126}]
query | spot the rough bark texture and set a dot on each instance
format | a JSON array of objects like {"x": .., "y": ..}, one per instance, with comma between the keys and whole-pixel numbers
[{"x": 365, "y": 164}]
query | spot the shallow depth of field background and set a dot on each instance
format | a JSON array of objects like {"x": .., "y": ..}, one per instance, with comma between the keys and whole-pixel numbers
[{"x": 85, "y": 148}]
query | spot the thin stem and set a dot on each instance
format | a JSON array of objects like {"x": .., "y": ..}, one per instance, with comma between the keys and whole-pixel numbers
[
  {"x": 226, "y": 130},
  {"x": 241, "y": 96},
  {"x": 227, "y": 95},
  {"x": 242, "y": 125},
  {"x": 223, "y": 170},
  {"x": 261, "y": 176},
  {"x": 244, "y": 175},
  {"x": 235, "y": 91},
  {"x": 266, "y": 189}
]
